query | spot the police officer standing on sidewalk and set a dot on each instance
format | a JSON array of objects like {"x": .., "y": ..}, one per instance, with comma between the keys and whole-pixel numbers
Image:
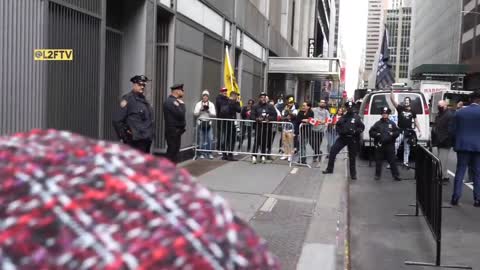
[
  {"x": 133, "y": 122},
  {"x": 385, "y": 132},
  {"x": 174, "y": 115},
  {"x": 349, "y": 128}
]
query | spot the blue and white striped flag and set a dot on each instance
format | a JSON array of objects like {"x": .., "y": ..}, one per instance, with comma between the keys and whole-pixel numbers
[{"x": 384, "y": 70}]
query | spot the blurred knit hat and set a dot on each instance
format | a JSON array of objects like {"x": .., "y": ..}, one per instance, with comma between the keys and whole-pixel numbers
[
  {"x": 70, "y": 202},
  {"x": 205, "y": 93}
]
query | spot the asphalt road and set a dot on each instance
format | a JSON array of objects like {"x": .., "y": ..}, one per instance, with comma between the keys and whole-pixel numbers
[{"x": 381, "y": 240}]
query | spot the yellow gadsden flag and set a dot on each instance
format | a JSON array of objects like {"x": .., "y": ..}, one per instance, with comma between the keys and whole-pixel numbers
[{"x": 229, "y": 76}]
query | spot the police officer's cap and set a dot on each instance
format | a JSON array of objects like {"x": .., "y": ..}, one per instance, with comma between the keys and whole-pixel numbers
[
  {"x": 178, "y": 86},
  {"x": 262, "y": 94},
  {"x": 349, "y": 105},
  {"x": 139, "y": 78},
  {"x": 386, "y": 110}
]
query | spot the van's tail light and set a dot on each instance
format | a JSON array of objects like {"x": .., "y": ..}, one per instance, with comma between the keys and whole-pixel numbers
[
  {"x": 426, "y": 109},
  {"x": 366, "y": 110}
]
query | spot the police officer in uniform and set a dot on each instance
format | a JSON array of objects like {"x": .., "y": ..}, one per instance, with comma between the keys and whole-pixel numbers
[
  {"x": 174, "y": 115},
  {"x": 349, "y": 128},
  {"x": 384, "y": 133},
  {"x": 133, "y": 122}
]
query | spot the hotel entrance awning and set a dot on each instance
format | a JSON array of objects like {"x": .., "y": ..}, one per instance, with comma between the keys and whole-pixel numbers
[{"x": 309, "y": 69}]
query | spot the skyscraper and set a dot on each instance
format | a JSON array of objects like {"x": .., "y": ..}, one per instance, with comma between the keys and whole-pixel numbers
[
  {"x": 374, "y": 33},
  {"x": 336, "y": 50},
  {"x": 398, "y": 23}
]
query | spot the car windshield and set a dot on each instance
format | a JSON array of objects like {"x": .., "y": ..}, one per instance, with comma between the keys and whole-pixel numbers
[{"x": 416, "y": 101}]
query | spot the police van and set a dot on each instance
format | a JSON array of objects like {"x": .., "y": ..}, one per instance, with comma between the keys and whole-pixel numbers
[{"x": 373, "y": 102}]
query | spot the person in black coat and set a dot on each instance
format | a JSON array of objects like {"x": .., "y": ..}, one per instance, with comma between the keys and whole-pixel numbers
[
  {"x": 227, "y": 108},
  {"x": 246, "y": 127},
  {"x": 349, "y": 128},
  {"x": 262, "y": 113},
  {"x": 441, "y": 139},
  {"x": 133, "y": 121},
  {"x": 303, "y": 116},
  {"x": 385, "y": 132},
  {"x": 174, "y": 115}
]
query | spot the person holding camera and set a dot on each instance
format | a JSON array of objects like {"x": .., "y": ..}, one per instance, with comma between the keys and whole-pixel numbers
[
  {"x": 384, "y": 133},
  {"x": 262, "y": 113},
  {"x": 205, "y": 109}
]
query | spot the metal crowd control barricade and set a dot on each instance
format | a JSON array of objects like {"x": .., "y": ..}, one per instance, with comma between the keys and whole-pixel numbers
[
  {"x": 244, "y": 137},
  {"x": 309, "y": 144},
  {"x": 428, "y": 176}
]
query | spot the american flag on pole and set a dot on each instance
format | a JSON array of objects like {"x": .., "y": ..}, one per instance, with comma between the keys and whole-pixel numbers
[{"x": 384, "y": 73}]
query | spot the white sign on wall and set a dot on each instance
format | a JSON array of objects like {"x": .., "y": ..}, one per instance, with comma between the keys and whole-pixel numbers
[{"x": 311, "y": 47}]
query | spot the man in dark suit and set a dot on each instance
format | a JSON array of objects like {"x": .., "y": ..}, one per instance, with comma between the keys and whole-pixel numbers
[{"x": 466, "y": 131}]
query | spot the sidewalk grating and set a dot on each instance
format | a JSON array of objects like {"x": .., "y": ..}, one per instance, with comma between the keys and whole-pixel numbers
[{"x": 285, "y": 228}]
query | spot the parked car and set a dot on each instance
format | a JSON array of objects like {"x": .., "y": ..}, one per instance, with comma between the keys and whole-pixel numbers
[{"x": 373, "y": 102}]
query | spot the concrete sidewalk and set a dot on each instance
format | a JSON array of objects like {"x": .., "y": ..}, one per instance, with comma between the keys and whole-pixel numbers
[{"x": 300, "y": 212}]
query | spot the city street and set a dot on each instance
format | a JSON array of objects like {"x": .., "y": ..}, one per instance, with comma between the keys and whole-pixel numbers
[{"x": 381, "y": 240}]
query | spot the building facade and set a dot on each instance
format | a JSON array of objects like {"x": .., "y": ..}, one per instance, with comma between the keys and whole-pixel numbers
[
  {"x": 470, "y": 42},
  {"x": 375, "y": 27},
  {"x": 336, "y": 45},
  {"x": 170, "y": 41},
  {"x": 398, "y": 23},
  {"x": 435, "y": 37}
]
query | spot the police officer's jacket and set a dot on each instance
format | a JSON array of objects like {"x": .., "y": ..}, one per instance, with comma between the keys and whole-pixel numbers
[
  {"x": 227, "y": 108},
  {"x": 174, "y": 113},
  {"x": 263, "y": 112},
  {"x": 350, "y": 126},
  {"x": 134, "y": 120},
  {"x": 384, "y": 132}
]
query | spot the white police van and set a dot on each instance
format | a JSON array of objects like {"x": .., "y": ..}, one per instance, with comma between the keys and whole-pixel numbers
[{"x": 374, "y": 101}]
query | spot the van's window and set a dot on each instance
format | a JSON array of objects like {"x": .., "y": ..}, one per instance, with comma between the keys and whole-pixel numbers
[
  {"x": 379, "y": 102},
  {"x": 452, "y": 99},
  {"x": 416, "y": 101}
]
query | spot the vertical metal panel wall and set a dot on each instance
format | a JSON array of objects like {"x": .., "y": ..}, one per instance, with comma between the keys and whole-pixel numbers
[
  {"x": 113, "y": 54},
  {"x": 93, "y": 6},
  {"x": 161, "y": 76},
  {"x": 22, "y": 80},
  {"x": 72, "y": 87}
]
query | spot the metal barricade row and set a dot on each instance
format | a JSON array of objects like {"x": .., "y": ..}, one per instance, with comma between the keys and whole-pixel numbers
[{"x": 244, "y": 137}]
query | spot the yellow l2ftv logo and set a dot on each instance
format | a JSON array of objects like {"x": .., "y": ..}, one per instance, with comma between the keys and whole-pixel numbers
[{"x": 53, "y": 55}]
